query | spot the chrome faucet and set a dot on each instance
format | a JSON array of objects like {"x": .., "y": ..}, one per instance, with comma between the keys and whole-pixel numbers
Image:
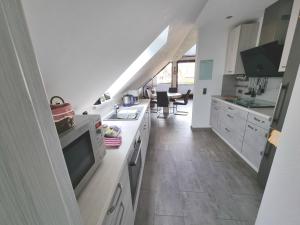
[{"x": 116, "y": 107}]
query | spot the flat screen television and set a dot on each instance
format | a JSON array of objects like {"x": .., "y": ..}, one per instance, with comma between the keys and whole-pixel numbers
[{"x": 263, "y": 61}]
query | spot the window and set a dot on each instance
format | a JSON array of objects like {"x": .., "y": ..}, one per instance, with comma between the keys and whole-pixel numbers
[
  {"x": 165, "y": 75},
  {"x": 186, "y": 72},
  {"x": 191, "y": 51},
  {"x": 149, "y": 52}
]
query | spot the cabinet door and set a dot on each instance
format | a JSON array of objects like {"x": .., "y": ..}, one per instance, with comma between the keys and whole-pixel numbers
[
  {"x": 232, "y": 48},
  {"x": 290, "y": 35},
  {"x": 118, "y": 207},
  {"x": 255, "y": 141}
]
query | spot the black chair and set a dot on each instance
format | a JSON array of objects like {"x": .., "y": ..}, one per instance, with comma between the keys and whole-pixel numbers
[
  {"x": 173, "y": 90},
  {"x": 184, "y": 102},
  {"x": 162, "y": 100}
]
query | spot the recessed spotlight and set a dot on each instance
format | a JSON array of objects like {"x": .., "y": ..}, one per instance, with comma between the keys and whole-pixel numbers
[{"x": 228, "y": 17}]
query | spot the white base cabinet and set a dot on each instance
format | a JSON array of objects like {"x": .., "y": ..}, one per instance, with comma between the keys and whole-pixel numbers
[
  {"x": 244, "y": 131},
  {"x": 121, "y": 210}
]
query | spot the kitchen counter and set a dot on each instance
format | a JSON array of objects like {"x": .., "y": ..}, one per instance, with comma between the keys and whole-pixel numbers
[
  {"x": 264, "y": 112},
  {"x": 95, "y": 199}
]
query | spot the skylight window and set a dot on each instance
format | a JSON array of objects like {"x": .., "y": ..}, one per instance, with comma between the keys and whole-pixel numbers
[
  {"x": 191, "y": 52},
  {"x": 152, "y": 49}
]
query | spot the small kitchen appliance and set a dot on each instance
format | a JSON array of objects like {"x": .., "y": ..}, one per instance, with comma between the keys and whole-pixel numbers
[
  {"x": 128, "y": 100},
  {"x": 83, "y": 149}
]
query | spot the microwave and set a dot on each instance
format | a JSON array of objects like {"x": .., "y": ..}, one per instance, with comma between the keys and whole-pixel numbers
[{"x": 83, "y": 148}]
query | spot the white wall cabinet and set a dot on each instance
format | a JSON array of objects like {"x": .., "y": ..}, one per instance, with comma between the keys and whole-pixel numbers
[
  {"x": 244, "y": 131},
  {"x": 290, "y": 35},
  {"x": 240, "y": 38}
]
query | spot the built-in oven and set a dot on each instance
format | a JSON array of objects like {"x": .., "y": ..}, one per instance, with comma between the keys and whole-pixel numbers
[
  {"x": 83, "y": 149},
  {"x": 135, "y": 167}
]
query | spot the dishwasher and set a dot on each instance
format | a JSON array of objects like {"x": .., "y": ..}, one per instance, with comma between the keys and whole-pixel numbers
[{"x": 135, "y": 167}]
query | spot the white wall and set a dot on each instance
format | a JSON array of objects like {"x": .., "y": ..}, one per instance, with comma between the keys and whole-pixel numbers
[
  {"x": 212, "y": 42},
  {"x": 281, "y": 201},
  {"x": 83, "y": 46}
]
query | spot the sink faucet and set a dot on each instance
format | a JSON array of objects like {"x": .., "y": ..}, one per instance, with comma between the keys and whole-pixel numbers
[{"x": 116, "y": 107}]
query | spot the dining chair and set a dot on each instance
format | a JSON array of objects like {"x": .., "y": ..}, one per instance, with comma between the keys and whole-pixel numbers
[
  {"x": 184, "y": 102},
  {"x": 162, "y": 100}
]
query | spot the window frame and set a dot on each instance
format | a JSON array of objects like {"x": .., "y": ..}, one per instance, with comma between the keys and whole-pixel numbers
[
  {"x": 177, "y": 70},
  {"x": 163, "y": 69}
]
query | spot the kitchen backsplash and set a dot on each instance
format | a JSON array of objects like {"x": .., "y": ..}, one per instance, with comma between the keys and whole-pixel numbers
[
  {"x": 233, "y": 87},
  {"x": 271, "y": 92}
]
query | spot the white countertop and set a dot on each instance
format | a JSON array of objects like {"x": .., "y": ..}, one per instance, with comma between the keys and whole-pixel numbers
[
  {"x": 94, "y": 200},
  {"x": 264, "y": 112}
]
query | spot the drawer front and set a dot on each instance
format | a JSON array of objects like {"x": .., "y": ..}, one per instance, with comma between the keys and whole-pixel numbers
[
  {"x": 243, "y": 114},
  {"x": 252, "y": 155},
  {"x": 121, "y": 191},
  {"x": 232, "y": 136},
  {"x": 234, "y": 122},
  {"x": 259, "y": 121},
  {"x": 255, "y": 136}
]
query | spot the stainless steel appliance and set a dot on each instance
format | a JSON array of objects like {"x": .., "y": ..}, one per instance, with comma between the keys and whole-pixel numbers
[
  {"x": 128, "y": 100},
  {"x": 282, "y": 104},
  {"x": 83, "y": 149},
  {"x": 134, "y": 168}
]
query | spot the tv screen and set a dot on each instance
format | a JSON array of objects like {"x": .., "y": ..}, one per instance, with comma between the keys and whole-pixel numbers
[{"x": 263, "y": 61}]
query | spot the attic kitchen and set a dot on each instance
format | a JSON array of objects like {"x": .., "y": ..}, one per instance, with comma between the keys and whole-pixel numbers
[
  {"x": 99, "y": 154},
  {"x": 245, "y": 115}
]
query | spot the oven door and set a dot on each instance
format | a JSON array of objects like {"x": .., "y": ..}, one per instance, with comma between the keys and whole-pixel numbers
[{"x": 134, "y": 168}]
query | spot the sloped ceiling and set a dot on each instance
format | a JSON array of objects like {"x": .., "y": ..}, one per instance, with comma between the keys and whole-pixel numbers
[{"x": 83, "y": 46}]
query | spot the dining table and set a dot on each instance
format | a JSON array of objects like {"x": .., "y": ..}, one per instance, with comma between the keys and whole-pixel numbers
[{"x": 171, "y": 96}]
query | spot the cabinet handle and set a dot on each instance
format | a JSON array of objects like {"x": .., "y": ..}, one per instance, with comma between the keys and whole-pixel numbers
[
  {"x": 227, "y": 129},
  {"x": 252, "y": 128},
  {"x": 258, "y": 120},
  {"x": 114, "y": 205},
  {"x": 231, "y": 117}
]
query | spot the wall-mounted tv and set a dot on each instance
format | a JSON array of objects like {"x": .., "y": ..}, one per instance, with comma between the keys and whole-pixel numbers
[{"x": 263, "y": 61}]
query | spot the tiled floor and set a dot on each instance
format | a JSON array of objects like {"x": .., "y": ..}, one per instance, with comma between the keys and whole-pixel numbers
[{"x": 194, "y": 178}]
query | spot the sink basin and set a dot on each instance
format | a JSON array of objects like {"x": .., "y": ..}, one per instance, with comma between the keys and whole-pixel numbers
[{"x": 124, "y": 114}]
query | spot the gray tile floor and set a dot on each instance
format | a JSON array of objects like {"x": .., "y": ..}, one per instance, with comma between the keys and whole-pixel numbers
[{"x": 194, "y": 178}]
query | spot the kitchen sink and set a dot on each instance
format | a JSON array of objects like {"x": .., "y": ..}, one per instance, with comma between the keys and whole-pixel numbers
[{"x": 124, "y": 114}]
